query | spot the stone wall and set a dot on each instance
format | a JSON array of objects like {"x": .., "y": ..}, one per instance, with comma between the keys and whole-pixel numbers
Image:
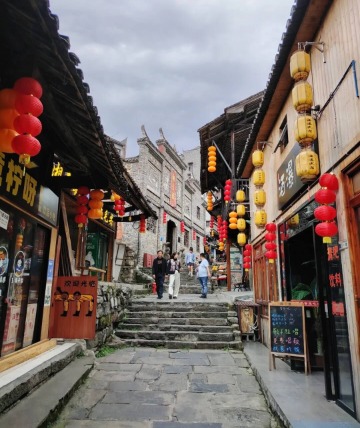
[{"x": 113, "y": 301}]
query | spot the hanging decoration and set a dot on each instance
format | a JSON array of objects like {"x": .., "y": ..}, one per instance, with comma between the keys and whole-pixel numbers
[
  {"x": 212, "y": 159},
  {"x": 270, "y": 238},
  {"x": 194, "y": 235},
  {"x": 220, "y": 232},
  {"x": 233, "y": 220},
  {"x": 82, "y": 200},
  {"x": 119, "y": 204},
  {"x": 325, "y": 212},
  {"x": 260, "y": 216},
  {"x": 182, "y": 227},
  {"x": 142, "y": 225},
  {"x": 210, "y": 205},
  {"x": 240, "y": 195},
  {"x": 227, "y": 191},
  {"x": 96, "y": 204},
  {"x": 8, "y": 113},
  {"x": 27, "y": 125},
  {"x": 307, "y": 161},
  {"x": 164, "y": 217},
  {"x": 247, "y": 257}
]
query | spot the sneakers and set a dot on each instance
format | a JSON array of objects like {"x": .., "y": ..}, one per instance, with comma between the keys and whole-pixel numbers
[
  {"x": 203, "y": 296},
  {"x": 159, "y": 298},
  {"x": 170, "y": 296},
  {"x": 174, "y": 297}
]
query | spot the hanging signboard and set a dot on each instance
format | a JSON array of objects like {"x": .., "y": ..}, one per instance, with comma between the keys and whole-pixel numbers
[
  {"x": 287, "y": 332},
  {"x": 73, "y": 307}
]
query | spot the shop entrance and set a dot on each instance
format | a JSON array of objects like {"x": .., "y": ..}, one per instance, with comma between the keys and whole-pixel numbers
[
  {"x": 313, "y": 275},
  {"x": 24, "y": 246},
  {"x": 171, "y": 236}
]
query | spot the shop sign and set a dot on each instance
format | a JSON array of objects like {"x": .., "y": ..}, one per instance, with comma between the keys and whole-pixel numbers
[
  {"x": 4, "y": 219},
  {"x": 288, "y": 183},
  {"x": 23, "y": 188},
  {"x": 73, "y": 307},
  {"x": 173, "y": 188}
]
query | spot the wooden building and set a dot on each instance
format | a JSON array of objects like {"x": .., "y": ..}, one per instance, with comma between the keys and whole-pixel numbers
[
  {"x": 324, "y": 276},
  {"x": 39, "y": 239}
]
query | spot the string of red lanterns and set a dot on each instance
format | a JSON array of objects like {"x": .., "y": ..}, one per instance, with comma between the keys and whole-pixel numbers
[
  {"x": 270, "y": 238},
  {"x": 325, "y": 212},
  {"x": 142, "y": 226},
  {"x": 182, "y": 227},
  {"x": 81, "y": 210},
  {"x": 227, "y": 191},
  {"x": 164, "y": 217},
  {"x": 247, "y": 257}
]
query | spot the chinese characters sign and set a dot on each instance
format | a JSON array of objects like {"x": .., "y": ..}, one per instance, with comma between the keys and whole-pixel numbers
[
  {"x": 18, "y": 185},
  {"x": 173, "y": 188},
  {"x": 288, "y": 183},
  {"x": 73, "y": 307}
]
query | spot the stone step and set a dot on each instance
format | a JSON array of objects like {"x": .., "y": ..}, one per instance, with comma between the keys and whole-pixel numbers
[
  {"x": 179, "y": 321},
  {"x": 193, "y": 336},
  {"x": 175, "y": 344},
  {"x": 178, "y": 306},
  {"x": 178, "y": 314},
  {"x": 176, "y": 327}
]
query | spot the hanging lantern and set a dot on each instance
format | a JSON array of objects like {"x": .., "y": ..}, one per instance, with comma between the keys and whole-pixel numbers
[
  {"x": 271, "y": 227},
  {"x": 212, "y": 159},
  {"x": 142, "y": 225},
  {"x": 182, "y": 227},
  {"x": 258, "y": 158},
  {"x": 258, "y": 177},
  {"x": 241, "y": 239},
  {"x": 293, "y": 221},
  {"x": 325, "y": 196},
  {"x": 233, "y": 220},
  {"x": 260, "y": 218},
  {"x": 227, "y": 191},
  {"x": 302, "y": 96},
  {"x": 210, "y": 205},
  {"x": 241, "y": 224},
  {"x": 260, "y": 197},
  {"x": 7, "y": 117},
  {"x": 325, "y": 213},
  {"x": 211, "y": 223},
  {"x": 81, "y": 209},
  {"x": 7, "y": 98},
  {"x": 225, "y": 229},
  {"x": 300, "y": 65},
  {"x": 221, "y": 246},
  {"x": 164, "y": 217},
  {"x": 270, "y": 236},
  {"x": 307, "y": 165},
  {"x": 326, "y": 230},
  {"x": 248, "y": 247},
  {"x": 6, "y": 139},
  {"x": 241, "y": 210},
  {"x": 28, "y": 86},
  {"x": 25, "y": 146},
  {"x": 270, "y": 246},
  {"x": 194, "y": 235},
  {"x": 247, "y": 253},
  {"x": 271, "y": 256},
  {"x": 329, "y": 181},
  {"x": 240, "y": 196},
  {"x": 27, "y": 124},
  {"x": 96, "y": 204},
  {"x": 305, "y": 130}
]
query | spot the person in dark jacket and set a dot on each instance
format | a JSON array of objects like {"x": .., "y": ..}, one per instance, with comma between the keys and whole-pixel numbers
[
  {"x": 159, "y": 273},
  {"x": 173, "y": 270}
]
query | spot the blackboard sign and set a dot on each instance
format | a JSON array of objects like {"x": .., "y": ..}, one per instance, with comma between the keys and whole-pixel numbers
[{"x": 287, "y": 330}]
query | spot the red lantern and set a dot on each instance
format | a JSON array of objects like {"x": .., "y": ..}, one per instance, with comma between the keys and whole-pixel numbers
[
  {"x": 270, "y": 236},
  {"x": 326, "y": 230},
  {"x": 211, "y": 222},
  {"x": 194, "y": 235},
  {"x": 227, "y": 191},
  {"x": 27, "y": 104},
  {"x": 25, "y": 146},
  {"x": 247, "y": 253},
  {"x": 82, "y": 200},
  {"x": 329, "y": 181},
  {"x": 270, "y": 246},
  {"x": 247, "y": 259},
  {"x": 83, "y": 190},
  {"x": 248, "y": 247},
  {"x": 271, "y": 256},
  {"x": 142, "y": 226},
  {"x": 81, "y": 220},
  {"x": 27, "y": 124},
  {"x": 325, "y": 196},
  {"x": 325, "y": 213},
  {"x": 164, "y": 217},
  {"x": 182, "y": 227},
  {"x": 28, "y": 86},
  {"x": 81, "y": 209},
  {"x": 247, "y": 266},
  {"x": 270, "y": 227}
]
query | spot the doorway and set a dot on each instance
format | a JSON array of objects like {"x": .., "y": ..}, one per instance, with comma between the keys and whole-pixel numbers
[{"x": 171, "y": 236}]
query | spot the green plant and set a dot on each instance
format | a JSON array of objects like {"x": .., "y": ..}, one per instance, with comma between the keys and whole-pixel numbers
[{"x": 104, "y": 351}]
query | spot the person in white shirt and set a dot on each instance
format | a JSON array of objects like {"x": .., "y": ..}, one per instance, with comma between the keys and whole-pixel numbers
[
  {"x": 190, "y": 261},
  {"x": 173, "y": 270},
  {"x": 203, "y": 273}
]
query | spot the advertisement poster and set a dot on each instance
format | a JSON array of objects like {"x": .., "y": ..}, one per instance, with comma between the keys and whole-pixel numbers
[
  {"x": 29, "y": 324},
  {"x": 73, "y": 307},
  {"x": 11, "y": 329}
]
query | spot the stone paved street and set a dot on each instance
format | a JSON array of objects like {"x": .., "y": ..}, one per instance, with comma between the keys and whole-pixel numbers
[{"x": 161, "y": 388}]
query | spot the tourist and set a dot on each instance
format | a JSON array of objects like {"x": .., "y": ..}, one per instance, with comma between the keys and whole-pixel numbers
[
  {"x": 159, "y": 273},
  {"x": 203, "y": 273},
  {"x": 173, "y": 270},
  {"x": 190, "y": 261}
]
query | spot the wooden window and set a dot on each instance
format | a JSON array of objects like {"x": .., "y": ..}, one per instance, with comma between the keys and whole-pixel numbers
[{"x": 283, "y": 136}]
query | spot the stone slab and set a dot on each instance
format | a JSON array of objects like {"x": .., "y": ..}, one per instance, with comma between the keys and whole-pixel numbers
[
  {"x": 137, "y": 385},
  {"x": 130, "y": 412},
  {"x": 143, "y": 397}
]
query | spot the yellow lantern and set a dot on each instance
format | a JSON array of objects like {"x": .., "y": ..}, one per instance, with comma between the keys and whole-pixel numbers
[
  {"x": 293, "y": 221},
  {"x": 260, "y": 218},
  {"x": 259, "y": 177},
  {"x": 212, "y": 159},
  {"x": 302, "y": 96},
  {"x": 260, "y": 197},
  {"x": 241, "y": 239},
  {"x": 300, "y": 65},
  {"x": 232, "y": 220},
  {"x": 258, "y": 158},
  {"x": 240, "y": 196},
  {"x": 232, "y": 214},
  {"x": 307, "y": 165},
  {"x": 305, "y": 130},
  {"x": 221, "y": 246},
  {"x": 241, "y": 224},
  {"x": 240, "y": 210}
]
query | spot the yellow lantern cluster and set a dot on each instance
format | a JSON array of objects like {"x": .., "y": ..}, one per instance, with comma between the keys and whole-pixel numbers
[
  {"x": 210, "y": 204},
  {"x": 233, "y": 220},
  {"x": 212, "y": 159},
  {"x": 258, "y": 177},
  {"x": 307, "y": 161}
]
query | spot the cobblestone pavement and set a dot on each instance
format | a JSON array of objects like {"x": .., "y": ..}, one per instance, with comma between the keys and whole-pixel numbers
[{"x": 163, "y": 388}]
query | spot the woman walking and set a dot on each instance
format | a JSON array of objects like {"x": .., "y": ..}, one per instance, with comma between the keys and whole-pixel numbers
[
  {"x": 173, "y": 270},
  {"x": 203, "y": 273}
]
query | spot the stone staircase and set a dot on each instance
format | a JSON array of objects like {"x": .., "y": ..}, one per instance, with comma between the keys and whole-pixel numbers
[{"x": 180, "y": 324}]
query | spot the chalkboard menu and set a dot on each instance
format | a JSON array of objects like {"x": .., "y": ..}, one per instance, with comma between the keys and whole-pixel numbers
[{"x": 287, "y": 328}]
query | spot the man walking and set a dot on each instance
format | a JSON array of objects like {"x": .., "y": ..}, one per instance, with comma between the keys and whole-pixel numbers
[
  {"x": 159, "y": 273},
  {"x": 204, "y": 273},
  {"x": 190, "y": 261}
]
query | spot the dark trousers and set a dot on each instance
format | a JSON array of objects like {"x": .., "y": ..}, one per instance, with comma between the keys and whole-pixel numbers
[{"x": 159, "y": 285}]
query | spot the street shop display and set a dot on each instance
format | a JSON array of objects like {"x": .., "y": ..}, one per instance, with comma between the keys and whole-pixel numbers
[{"x": 287, "y": 332}]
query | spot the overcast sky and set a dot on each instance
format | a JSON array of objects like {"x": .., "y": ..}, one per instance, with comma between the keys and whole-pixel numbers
[{"x": 174, "y": 64}]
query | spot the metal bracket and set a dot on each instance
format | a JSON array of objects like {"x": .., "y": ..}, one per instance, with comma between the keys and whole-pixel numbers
[{"x": 320, "y": 46}]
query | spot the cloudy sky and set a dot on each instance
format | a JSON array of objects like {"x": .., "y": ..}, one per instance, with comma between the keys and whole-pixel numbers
[{"x": 174, "y": 64}]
